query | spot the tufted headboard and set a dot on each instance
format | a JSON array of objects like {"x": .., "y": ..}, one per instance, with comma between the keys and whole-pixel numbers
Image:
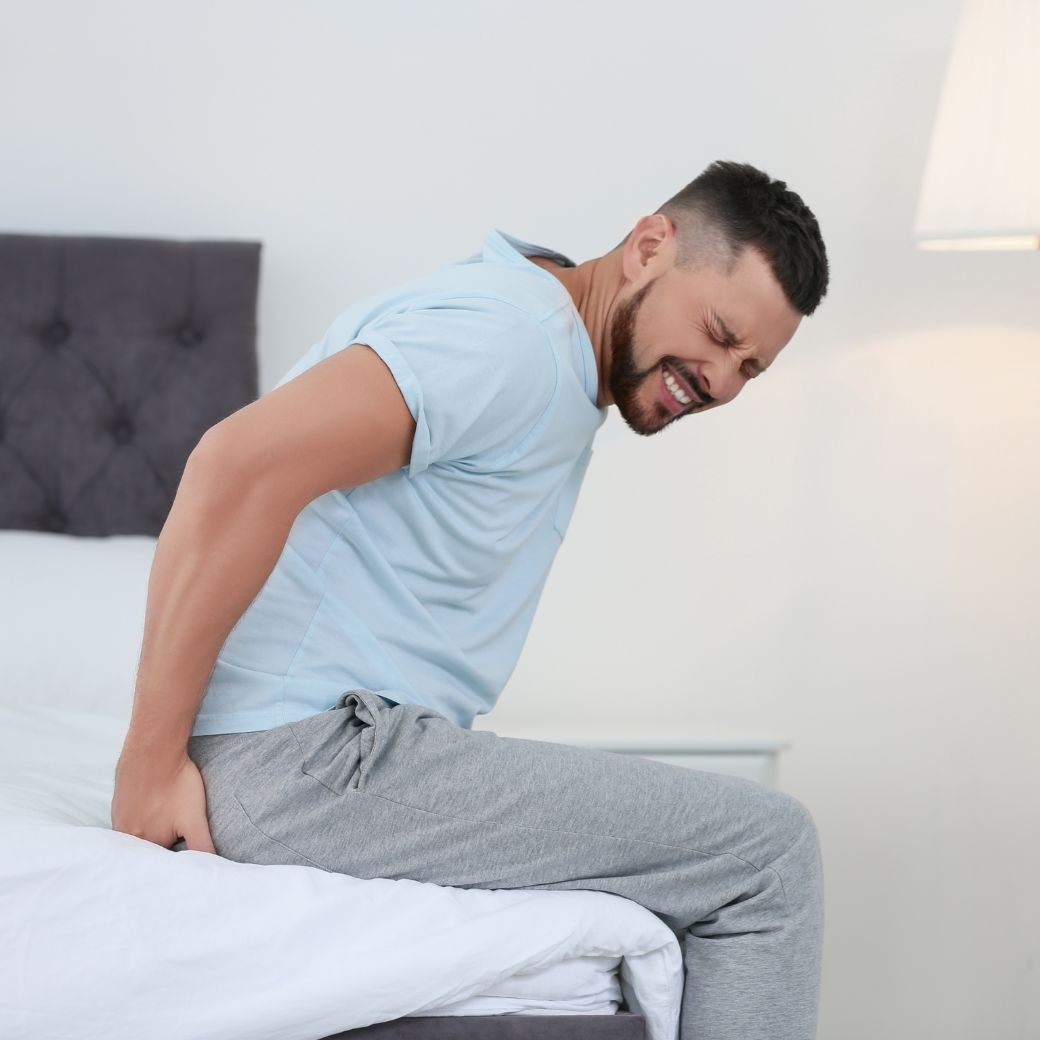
[{"x": 116, "y": 355}]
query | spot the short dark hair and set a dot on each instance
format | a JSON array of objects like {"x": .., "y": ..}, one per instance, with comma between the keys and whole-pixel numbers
[{"x": 732, "y": 205}]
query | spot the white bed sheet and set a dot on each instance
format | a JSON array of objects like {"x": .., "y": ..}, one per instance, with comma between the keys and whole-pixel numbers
[{"x": 104, "y": 935}]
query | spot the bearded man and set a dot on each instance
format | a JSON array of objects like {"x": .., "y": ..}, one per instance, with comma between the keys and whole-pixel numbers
[{"x": 352, "y": 563}]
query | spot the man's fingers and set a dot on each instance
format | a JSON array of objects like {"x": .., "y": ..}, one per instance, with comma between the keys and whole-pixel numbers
[
  {"x": 167, "y": 809},
  {"x": 198, "y": 838},
  {"x": 196, "y": 827}
]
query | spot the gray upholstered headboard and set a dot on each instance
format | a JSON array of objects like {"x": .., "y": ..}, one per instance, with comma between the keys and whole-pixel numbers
[{"x": 116, "y": 355}]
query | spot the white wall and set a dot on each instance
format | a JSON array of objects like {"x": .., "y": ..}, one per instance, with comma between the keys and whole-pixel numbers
[{"x": 852, "y": 562}]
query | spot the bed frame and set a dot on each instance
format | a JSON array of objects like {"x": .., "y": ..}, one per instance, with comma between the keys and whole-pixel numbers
[
  {"x": 116, "y": 355},
  {"x": 623, "y": 1026}
]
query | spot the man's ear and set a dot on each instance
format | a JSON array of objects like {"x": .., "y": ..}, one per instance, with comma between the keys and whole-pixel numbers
[{"x": 649, "y": 249}]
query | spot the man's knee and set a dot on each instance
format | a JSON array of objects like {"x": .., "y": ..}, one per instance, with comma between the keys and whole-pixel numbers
[
  {"x": 785, "y": 824},
  {"x": 774, "y": 810},
  {"x": 799, "y": 858},
  {"x": 794, "y": 815}
]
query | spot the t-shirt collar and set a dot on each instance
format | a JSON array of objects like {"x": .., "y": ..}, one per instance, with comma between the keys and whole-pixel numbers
[{"x": 509, "y": 247}]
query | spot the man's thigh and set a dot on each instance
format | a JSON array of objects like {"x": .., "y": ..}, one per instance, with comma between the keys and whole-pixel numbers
[{"x": 372, "y": 790}]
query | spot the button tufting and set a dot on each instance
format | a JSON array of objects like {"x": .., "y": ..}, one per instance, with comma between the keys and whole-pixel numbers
[
  {"x": 123, "y": 430},
  {"x": 188, "y": 335},
  {"x": 55, "y": 520},
  {"x": 57, "y": 332}
]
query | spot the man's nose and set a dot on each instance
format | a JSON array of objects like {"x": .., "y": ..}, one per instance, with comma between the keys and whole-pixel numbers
[{"x": 722, "y": 379}]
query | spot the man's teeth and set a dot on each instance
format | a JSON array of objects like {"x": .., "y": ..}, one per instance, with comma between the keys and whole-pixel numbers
[{"x": 676, "y": 390}]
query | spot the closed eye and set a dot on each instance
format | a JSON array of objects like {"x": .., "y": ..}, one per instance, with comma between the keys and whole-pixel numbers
[
  {"x": 749, "y": 370},
  {"x": 752, "y": 369}
]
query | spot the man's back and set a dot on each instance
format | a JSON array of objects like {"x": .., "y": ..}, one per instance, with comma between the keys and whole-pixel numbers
[{"x": 421, "y": 585}]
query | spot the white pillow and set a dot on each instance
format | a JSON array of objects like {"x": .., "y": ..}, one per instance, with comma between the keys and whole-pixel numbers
[{"x": 72, "y": 618}]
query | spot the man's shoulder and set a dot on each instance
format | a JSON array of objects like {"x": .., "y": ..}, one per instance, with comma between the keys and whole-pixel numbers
[
  {"x": 467, "y": 315},
  {"x": 464, "y": 313},
  {"x": 511, "y": 290}
]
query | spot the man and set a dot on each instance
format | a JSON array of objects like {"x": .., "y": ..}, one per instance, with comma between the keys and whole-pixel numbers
[{"x": 382, "y": 523}]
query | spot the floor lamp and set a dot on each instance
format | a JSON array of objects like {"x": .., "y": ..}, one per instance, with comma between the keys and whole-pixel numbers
[{"x": 981, "y": 185}]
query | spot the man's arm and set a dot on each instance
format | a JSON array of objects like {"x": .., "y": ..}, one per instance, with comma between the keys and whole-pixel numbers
[{"x": 340, "y": 423}]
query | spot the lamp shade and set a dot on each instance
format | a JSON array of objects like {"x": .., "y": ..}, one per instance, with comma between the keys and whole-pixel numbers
[{"x": 981, "y": 186}]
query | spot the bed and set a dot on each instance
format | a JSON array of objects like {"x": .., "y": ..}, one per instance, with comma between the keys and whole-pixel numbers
[{"x": 116, "y": 354}]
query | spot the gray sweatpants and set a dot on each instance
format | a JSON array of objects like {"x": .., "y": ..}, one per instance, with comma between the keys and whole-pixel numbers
[{"x": 373, "y": 789}]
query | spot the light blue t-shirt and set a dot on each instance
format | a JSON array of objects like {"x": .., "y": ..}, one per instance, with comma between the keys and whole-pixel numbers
[{"x": 421, "y": 586}]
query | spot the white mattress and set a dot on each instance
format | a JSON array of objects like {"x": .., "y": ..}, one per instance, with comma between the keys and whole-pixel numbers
[{"x": 104, "y": 935}]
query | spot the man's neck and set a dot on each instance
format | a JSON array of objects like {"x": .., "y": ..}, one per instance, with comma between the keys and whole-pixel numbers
[{"x": 592, "y": 286}]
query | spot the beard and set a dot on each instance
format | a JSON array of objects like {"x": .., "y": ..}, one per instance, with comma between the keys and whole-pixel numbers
[{"x": 627, "y": 380}]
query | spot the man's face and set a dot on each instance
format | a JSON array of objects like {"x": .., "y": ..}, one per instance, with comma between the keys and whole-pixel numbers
[{"x": 668, "y": 357}]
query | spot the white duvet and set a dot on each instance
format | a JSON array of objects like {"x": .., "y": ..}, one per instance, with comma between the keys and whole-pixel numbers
[{"x": 104, "y": 936}]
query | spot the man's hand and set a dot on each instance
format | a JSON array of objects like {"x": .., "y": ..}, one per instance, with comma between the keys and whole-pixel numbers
[
  {"x": 340, "y": 423},
  {"x": 161, "y": 800}
]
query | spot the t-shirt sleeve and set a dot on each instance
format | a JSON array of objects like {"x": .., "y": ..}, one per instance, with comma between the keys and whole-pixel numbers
[{"x": 477, "y": 378}]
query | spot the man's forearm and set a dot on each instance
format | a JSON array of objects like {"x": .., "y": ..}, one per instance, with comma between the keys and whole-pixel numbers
[{"x": 219, "y": 544}]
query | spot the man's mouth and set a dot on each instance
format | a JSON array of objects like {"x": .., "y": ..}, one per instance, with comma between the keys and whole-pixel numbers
[{"x": 677, "y": 394}]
